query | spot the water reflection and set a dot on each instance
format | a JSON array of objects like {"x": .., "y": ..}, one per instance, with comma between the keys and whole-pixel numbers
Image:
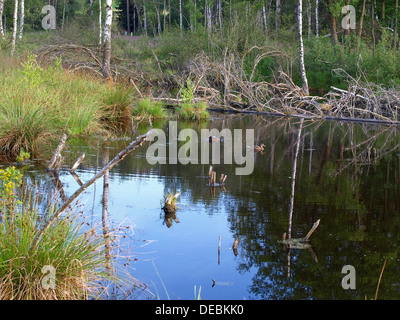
[{"x": 347, "y": 175}]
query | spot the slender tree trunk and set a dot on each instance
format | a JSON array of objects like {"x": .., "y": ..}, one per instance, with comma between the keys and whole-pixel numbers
[
  {"x": 373, "y": 25},
  {"x": 15, "y": 25},
  {"x": 164, "y": 13},
  {"x": 209, "y": 19},
  {"x": 316, "y": 19},
  {"x": 144, "y": 18},
  {"x": 21, "y": 19},
  {"x": 361, "y": 25},
  {"x": 265, "y": 18},
  {"x": 180, "y": 16},
  {"x": 128, "y": 22},
  {"x": 309, "y": 18},
  {"x": 100, "y": 23},
  {"x": 158, "y": 20},
  {"x": 395, "y": 24},
  {"x": 104, "y": 215},
  {"x": 220, "y": 14},
  {"x": 169, "y": 13},
  {"x": 383, "y": 13},
  {"x": 107, "y": 41},
  {"x": 91, "y": 7},
  {"x": 205, "y": 15},
  {"x": 1, "y": 18},
  {"x": 302, "y": 66},
  {"x": 63, "y": 19},
  {"x": 278, "y": 15},
  {"x": 334, "y": 36}
]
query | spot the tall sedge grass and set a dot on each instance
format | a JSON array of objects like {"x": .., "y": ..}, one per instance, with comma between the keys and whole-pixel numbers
[
  {"x": 146, "y": 107},
  {"x": 23, "y": 127},
  {"x": 38, "y": 104},
  {"x": 73, "y": 252}
]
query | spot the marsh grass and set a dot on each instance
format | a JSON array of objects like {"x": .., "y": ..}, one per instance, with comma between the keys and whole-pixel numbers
[
  {"x": 37, "y": 104},
  {"x": 193, "y": 111},
  {"x": 147, "y": 107},
  {"x": 74, "y": 249},
  {"x": 117, "y": 107}
]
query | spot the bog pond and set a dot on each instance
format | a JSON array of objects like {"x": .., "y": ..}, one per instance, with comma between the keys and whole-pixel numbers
[{"x": 347, "y": 177}]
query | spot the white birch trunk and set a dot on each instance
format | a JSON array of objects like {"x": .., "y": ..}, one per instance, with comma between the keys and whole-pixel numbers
[
  {"x": 21, "y": 19},
  {"x": 1, "y": 18},
  {"x": 107, "y": 41},
  {"x": 205, "y": 15},
  {"x": 100, "y": 23},
  {"x": 14, "y": 34},
  {"x": 165, "y": 14},
  {"x": 278, "y": 15},
  {"x": 316, "y": 19},
  {"x": 144, "y": 18},
  {"x": 209, "y": 21},
  {"x": 265, "y": 18},
  {"x": 302, "y": 66},
  {"x": 220, "y": 14},
  {"x": 158, "y": 20},
  {"x": 180, "y": 15},
  {"x": 63, "y": 19}
]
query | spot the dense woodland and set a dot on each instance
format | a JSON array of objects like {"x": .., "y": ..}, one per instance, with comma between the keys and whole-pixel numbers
[{"x": 370, "y": 47}]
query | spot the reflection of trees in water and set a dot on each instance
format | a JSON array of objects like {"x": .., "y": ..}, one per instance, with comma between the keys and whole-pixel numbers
[{"x": 347, "y": 175}]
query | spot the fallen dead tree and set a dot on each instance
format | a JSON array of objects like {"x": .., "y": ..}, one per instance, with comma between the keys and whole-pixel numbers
[{"x": 66, "y": 204}]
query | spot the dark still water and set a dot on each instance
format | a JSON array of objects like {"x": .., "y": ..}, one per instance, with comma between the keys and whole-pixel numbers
[{"x": 347, "y": 176}]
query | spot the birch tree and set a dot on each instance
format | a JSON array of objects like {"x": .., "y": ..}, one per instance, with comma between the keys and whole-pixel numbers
[
  {"x": 264, "y": 11},
  {"x": 302, "y": 66},
  {"x": 278, "y": 15},
  {"x": 316, "y": 19},
  {"x": 395, "y": 23},
  {"x": 144, "y": 17},
  {"x": 100, "y": 23},
  {"x": 21, "y": 19},
  {"x": 180, "y": 16},
  {"x": 1, "y": 18},
  {"x": 107, "y": 40},
  {"x": 14, "y": 34}
]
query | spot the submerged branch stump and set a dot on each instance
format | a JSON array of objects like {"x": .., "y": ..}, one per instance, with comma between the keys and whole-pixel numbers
[
  {"x": 170, "y": 203},
  {"x": 300, "y": 243},
  {"x": 77, "y": 163},
  {"x": 57, "y": 154}
]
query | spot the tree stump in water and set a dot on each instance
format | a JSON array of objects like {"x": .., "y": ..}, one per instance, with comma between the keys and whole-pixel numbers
[{"x": 170, "y": 203}]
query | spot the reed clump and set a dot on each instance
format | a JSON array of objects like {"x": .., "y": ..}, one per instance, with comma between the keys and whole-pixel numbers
[
  {"x": 38, "y": 103},
  {"x": 68, "y": 262}
]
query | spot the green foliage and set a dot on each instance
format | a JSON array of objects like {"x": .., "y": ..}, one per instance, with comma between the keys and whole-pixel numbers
[
  {"x": 32, "y": 72},
  {"x": 23, "y": 155},
  {"x": 147, "y": 107},
  {"x": 187, "y": 91}
]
